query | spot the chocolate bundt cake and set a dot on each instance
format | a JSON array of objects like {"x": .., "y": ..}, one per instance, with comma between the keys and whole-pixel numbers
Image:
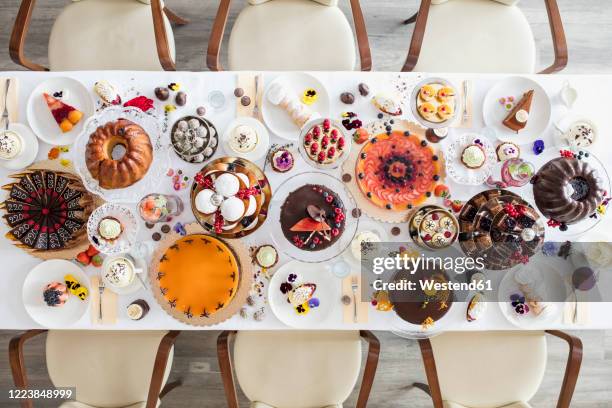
[
  {"x": 114, "y": 170},
  {"x": 567, "y": 190}
]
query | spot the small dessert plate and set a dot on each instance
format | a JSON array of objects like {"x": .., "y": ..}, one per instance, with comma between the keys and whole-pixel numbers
[
  {"x": 494, "y": 112},
  {"x": 40, "y": 118},
  {"x": 126, "y": 239},
  {"x": 262, "y": 143},
  {"x": 54, "y": 317},
  {"x": 277, "y": 119},
  {"x": 30, "y": 148},
  {"x": 458, "y": 171},
  {"x": 327, "y": 292}
]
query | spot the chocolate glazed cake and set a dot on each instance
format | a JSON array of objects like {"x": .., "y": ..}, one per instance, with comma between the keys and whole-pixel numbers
[{"x": 312, "y": 217}]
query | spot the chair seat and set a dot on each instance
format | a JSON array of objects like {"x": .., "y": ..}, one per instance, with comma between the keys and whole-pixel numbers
[
  {"x": 291, "y": 35},
  {"x": 297, "y": 369},
  {"x": 450, "y": 404},
  {"x": 106, "y": 34},
  {"x": 477, "y": 36},
  {"x": 108, "y": 368}
]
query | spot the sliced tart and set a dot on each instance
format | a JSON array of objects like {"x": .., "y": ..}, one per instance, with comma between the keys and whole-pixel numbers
[{"x": 65, "y": 115}]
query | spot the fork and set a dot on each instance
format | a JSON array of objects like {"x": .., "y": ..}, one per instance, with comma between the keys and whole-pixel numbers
[
  {"x": 465, "y": 98},
  {"x": 354, "y": 287},
  {"x": 256, "y": 105},
  {"x": 5, "y": 114},
  {"x": 101, "y": 287}
]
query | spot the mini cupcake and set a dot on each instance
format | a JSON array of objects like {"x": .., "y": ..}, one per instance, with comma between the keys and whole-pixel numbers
[
  {"x": 473, "y": 156},
  {"x": 55, "y": 294},
  {"x": 507, "y": 150},
  {"x": 282, "y": 161},
  {"x": 110, "y": 228}
]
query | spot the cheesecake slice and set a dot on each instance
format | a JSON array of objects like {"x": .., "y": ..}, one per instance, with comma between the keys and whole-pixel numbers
[
  {"x": 65, "y": 115},
  {"x": 518, "y": 116}
]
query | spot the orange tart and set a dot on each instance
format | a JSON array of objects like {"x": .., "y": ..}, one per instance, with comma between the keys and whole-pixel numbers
[
  {"x": 198, "y": 275},
  {"x": 397, "y": 170}
]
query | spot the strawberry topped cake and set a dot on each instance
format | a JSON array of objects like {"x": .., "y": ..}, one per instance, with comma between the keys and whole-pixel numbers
[
  {"x": 397, "y": 170},
  {"x": 324, "y": 143}
]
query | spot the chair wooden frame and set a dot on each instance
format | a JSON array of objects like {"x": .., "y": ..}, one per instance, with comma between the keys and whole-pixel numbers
[
  {"x": 213, "y": 58},
  {"x": 572, "y": 369},
  {"x": 24, "y": 17},
  {"x": 556, "y": 30},
  {"x": 225, "y": 364},
  {"x": 20, "y": 378}
]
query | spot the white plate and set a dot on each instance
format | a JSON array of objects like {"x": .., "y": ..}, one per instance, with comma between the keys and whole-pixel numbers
[
  {"x": 262, "y": 133},
  {"x": 30, "y": 151},
  {"x": 556, "y": 290},
  {"x": 42, "y": 122},
  {"x": 54, "y": 317},
  {"x": 494, "y": 113},
  {"x": 457, "y": 170},
  {"x": 127, "y": 219},
  {"x": 327, "y": 292},
  {"x": 277, "y": 119}
]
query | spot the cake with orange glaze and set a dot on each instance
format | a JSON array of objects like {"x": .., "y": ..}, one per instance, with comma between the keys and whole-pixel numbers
[
  {"x": 397, "y": 171},
  {"x": 198, "y": 275}
]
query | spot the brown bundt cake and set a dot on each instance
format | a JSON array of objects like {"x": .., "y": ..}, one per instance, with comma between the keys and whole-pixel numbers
[
  {"x": 123, "y": 171},
  {"x": 567, "y": 190}
]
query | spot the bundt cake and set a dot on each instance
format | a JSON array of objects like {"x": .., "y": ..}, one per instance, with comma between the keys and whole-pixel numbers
[
  {"x": 567, "y": 190},
  {"x": 115, "y": 169}
]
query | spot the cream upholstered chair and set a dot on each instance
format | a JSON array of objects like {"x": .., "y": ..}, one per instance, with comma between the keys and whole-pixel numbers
[
  {"x": 125, "y": 369},
  {"x": 297, "y": 369},
  {"x": 103, "y": 34},
  {"x": 479, "y": 36},
  {"x": 493, "y": 369},
  {"x": 286, "y": 35}
]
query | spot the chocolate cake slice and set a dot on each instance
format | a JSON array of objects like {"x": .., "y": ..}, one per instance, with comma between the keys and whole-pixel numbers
[{"x": 512, "y": 120}]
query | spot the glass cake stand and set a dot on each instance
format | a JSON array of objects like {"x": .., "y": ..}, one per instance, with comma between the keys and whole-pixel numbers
[{"x": 335, "y": 185}]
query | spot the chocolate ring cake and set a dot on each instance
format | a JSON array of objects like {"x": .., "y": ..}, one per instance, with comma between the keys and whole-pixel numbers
[
  {"x": 101, "y": 159},
  {"x": 567, "y": 190},
  {"x": 312, "y": 217}
]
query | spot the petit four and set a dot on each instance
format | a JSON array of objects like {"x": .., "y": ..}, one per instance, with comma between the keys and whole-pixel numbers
[
  {"x": 473, "y": 156},
  {"x": 162, "y": 93},
  {"x": 312, "y": 217},
  {"x": 55, "y": 294},
  {"x": 65, "y": 115},
  {"x": 115, "y": 170},
  {"x": 137, "y": 309},
  {"x": 477, "y": 306},
  {"x": 280, "y": 94},
  {"x": 282, "y": 160},
  {"x": 210, "y": 289},
  {"x": 397, "y": 171},
  {"x": 517, "y": 118},
  {"x": 387, "y": 104},
  {"x": 110, "y": 228},
  {"x": 107, "y": 92},
  {"x": 324, "y": 143},
  {"x": 507, "y": 150},
  {"x": 266, "y": 256}
]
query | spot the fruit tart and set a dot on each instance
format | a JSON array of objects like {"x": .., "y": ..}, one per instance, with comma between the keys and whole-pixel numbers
[{"x": 65, "y": 115}]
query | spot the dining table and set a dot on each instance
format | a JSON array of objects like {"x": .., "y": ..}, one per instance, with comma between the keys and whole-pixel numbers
[{"x": 215, "y": 91}]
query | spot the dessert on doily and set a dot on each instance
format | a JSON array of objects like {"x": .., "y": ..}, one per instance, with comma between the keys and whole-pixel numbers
[
  {"x": 501, "y": 228},
  {"x": 397, "y": 170},
  {"x": 46, "y": 210},
  {"x": 191, "y": 289},
  {"x": 568, "y": 189},
  {"x": 230, "y": 197},
  {"x": 112, "y": 228},
  {"x": 516, "y": 119},
  {"x": 65, "y": 115},
  {"x": 118, "y": 154},
  {"x": 194, "y": 139},
  {"x": 312, "y": 217},
  {"x": 324, "y": 144},
  {"x": 470, "y": 159},
  {"x": 433, "y": 227},
  {"x": 435, "y": 101}
]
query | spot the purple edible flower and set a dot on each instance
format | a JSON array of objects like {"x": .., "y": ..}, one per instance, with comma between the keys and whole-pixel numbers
[{"x": 538, "y": 146}]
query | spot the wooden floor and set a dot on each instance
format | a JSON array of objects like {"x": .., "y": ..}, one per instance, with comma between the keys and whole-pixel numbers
[{"x": 587, "y": 24}]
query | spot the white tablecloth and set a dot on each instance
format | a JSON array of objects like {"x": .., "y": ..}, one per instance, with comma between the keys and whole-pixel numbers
[{"x": 593, "y": 93}]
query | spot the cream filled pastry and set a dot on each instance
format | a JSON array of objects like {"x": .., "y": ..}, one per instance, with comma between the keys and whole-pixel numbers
[
  {"x": 243, "y": 139},
  {"x": 280, "y": 94}
]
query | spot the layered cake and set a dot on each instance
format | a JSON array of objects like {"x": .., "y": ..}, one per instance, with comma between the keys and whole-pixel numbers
[
  {"x": 46, "y": 210},
  {"x": 423, "y": 307},
  {"x": 397, "y": 171},
  {"x": 312, "y": 217},
  {"x": 198, "y": 275},
  {"x": 568, "y": 190}
]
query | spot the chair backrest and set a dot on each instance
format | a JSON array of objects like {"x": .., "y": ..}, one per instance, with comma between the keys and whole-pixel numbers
[
  {"x": 297, "y": 369},
  {"x": 489, "y": 369},
  {"x": 108, "y": 368}
]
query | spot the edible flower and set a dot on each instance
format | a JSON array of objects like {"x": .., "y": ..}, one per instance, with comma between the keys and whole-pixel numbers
[
  {"x": 538, "y": 146},
  {"x": 141, "y": 102}
]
